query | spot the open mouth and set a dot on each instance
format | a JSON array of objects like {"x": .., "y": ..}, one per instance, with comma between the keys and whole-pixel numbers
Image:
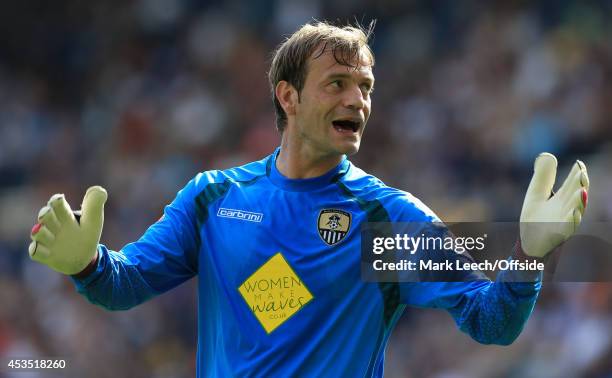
[{"x": 346, "y": 125}]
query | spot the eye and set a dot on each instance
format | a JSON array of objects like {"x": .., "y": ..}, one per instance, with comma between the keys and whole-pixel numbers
[
  {"x": 336, "y": 84},
  {"x": 367, "y": 88}
]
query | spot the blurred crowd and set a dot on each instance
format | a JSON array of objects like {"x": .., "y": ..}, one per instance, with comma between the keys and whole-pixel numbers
[{"x": 138, "y": 96}]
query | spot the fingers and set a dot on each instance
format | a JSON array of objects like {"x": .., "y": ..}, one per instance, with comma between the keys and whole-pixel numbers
[
  {"x": 573, "y": 176},
  {"x": 574, "y": 192},
  {"x": 92, "y": 216},
  {"x": 44, "y": 231},
  {"x": 50, "y": 218},
  {"x": 37, "y": 251},
  {"x": 584, "y": 177},
  {"x": 47, "y": 216},
  {"x": 61, "y": 208},
  {"x": 41, "y": 234},
  {"x": 577, "y": 179},
  {"x": 576, "y": 218},
  {"x": 57, "y": 211},
  {"x": 543, "y": 180},
  {"x": 36, "y": 228},
  {"x": 577, "y": 201},
  {"x": 57, "y": 228}
]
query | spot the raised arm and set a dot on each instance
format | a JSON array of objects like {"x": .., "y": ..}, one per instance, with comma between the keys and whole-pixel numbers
[
  {"x": 495, "y": 312},
  {"x": 165, "y": 256}
]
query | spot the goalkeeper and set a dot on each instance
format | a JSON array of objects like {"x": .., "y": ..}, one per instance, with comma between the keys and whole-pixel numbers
[{"x": 276, "y": 243}]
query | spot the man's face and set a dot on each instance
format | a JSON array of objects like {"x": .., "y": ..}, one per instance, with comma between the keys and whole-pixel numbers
[{"x": 334, "y": 105}]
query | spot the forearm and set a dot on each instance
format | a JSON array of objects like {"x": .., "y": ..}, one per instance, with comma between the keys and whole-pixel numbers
[
  {"x": 114, "y": 283},
  {"x": 498, "y": 313},
  {"x": 500, "y": 309}
]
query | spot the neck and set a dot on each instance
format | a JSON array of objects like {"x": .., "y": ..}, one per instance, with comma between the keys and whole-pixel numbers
[{"x": 300, "y": 161}]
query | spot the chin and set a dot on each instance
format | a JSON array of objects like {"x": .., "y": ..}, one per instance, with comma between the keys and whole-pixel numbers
[{"x": 349, "y": 150}]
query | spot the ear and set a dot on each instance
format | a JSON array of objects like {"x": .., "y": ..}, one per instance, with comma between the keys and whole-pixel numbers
[{"x": 287, "y": 96}]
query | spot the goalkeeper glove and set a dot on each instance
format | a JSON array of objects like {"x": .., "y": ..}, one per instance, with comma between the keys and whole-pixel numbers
[
  {"x": 548, "y": 219},
  {"x": 63, "y": 243}
]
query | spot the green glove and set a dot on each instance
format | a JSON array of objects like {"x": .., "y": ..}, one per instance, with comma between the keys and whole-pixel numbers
[
  {"x": 547, "y": 221},
  {"x": 60, "y": 241}
]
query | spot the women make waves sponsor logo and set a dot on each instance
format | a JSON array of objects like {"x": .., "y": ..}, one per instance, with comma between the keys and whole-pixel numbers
[{"x": 274, "y": 293}]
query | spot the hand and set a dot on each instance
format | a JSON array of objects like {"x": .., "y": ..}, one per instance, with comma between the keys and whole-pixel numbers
[
  {"x": 60, "y": 241},
  {"x": 548, "y": 219}
]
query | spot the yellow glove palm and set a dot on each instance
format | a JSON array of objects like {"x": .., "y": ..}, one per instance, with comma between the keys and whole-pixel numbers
[
  {"x": 547, "y": 221},
  {"x": 63, "y": 243}
]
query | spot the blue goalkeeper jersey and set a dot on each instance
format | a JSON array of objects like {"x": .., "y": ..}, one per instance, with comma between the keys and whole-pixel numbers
[{"x": 278, "y": 266}]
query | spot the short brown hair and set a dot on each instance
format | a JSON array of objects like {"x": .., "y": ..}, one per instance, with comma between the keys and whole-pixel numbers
[{"x": 289, "y": 61}]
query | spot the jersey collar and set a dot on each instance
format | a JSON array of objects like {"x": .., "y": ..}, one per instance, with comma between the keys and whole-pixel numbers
[{"x": 304, "y": 185}]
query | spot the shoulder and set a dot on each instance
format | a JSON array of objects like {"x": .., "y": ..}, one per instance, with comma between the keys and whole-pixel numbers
[
  {"x": 219, "y": 180},
  {"x": 240, "y": 174},
  {"x": 401, "y": 206}
]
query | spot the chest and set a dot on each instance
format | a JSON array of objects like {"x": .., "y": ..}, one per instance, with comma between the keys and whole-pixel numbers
[{"x": 318, "y": 236}]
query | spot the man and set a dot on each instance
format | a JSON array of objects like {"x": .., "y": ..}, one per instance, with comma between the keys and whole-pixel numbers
[{"x": 276, "y": 242}]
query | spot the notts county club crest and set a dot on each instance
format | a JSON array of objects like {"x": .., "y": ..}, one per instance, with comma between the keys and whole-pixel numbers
[{"x": 333, "y": 225}]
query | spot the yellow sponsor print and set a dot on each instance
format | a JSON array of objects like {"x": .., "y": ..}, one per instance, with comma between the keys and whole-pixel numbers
[{"x": 274, "y": 293}]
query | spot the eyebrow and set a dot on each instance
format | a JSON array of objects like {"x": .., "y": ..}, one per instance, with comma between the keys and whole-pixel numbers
[{"x": 369, "y": 79}]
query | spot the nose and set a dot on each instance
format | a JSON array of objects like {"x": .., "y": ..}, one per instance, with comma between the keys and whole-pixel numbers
[{"x": 354, "y": 98}]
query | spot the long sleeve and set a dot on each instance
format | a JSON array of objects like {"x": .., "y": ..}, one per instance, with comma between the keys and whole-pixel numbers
[
  {"x": 490, "y": 312},
  {"x": 164, "y": 257}
]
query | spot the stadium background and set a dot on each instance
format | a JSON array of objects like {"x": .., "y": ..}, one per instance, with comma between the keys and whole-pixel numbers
[{"x": 140, "y": 95}]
